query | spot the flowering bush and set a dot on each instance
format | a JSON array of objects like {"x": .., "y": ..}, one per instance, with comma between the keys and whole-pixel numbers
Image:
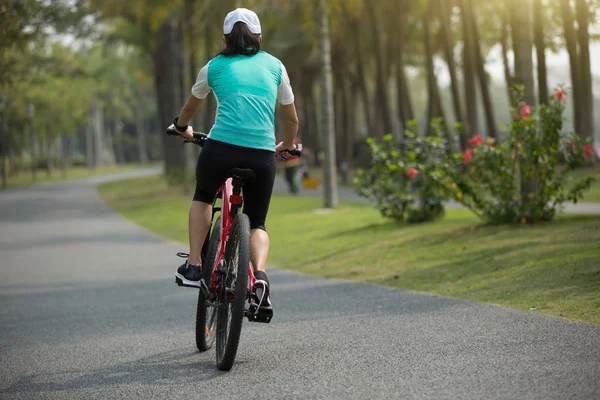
[
  {"x": 523, "y": 179},
  {"x": 399, "y": 180}
]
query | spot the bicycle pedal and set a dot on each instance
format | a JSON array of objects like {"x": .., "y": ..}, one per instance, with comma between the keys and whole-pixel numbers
[{"x": 264, "y": 315}]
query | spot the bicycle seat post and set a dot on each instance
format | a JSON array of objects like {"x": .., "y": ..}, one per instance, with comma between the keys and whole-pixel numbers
[{"x": 239, "y": 178}]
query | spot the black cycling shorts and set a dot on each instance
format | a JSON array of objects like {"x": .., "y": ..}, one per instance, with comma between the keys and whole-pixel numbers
[{"x": 215, "y": 162}]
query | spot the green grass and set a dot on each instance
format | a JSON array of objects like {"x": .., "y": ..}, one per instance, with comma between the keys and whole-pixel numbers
[
  {"x": 593, "y": 195},
  {"x": 24, "y": 178},
  {"x": 553, "y": 268}
]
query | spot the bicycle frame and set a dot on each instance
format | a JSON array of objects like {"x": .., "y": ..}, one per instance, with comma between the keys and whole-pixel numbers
[{"x": 226, "y": 223}]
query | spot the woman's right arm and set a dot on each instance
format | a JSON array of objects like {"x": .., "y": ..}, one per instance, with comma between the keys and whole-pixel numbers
[
  {"x": 290, "y": 118},
  {"x": 285, "y": 95}
]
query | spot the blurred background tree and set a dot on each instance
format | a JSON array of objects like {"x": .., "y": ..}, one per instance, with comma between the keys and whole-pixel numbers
[{"x": 94, "y": 82}]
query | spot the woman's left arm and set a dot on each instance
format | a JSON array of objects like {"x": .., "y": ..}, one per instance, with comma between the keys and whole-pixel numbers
[{"x": 189, "y": 110}]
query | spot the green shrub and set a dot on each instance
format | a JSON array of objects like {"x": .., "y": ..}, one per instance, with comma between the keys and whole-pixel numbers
[
  {"x": 522, "y": 179},
  {"x": 399, "y": 180}
]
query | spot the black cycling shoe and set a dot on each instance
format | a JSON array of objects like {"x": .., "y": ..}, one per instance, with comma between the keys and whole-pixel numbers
[
  {"x": 261, "y": 309},
  {"x": 261, "y": 290},
  {"x": 189, "y": 275}
]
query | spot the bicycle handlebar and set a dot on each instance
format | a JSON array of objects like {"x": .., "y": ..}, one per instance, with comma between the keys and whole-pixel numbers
[{"x": 200, "y": 139}]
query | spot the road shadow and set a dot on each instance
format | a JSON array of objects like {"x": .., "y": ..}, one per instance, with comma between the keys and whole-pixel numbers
[{"x": 176, "y": 367}]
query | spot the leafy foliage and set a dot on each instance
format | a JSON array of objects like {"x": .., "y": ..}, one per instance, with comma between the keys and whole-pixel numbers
[
  {"x": 399, "y": 180},
  {"x": 523, "y": 179}
]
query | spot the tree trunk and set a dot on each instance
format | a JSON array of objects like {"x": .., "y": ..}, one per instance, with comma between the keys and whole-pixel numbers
[
  {"x": 33, "y": 152},
  {"x": 469, "y": 75},
  {"x": 65, "y": 154},
  {"x": 140, "y": 134},
  {"x": 338, "y": 104},
  {"x": 504, "y": 44},
  {"x": 362, "y": 80},
  {"x": 585, "y": 74},
  {"x": 328, "y": 118},
  {"x": 523, "y": 47},
  {"x": 383, "y": 106},
  {"x": 3, "y": 152},
  {"x": 314, "y": 123},
  {"x": 350, "y": 102},
  {"x": 482, "y": 74},
  {"x": 405, "y": 108},
  {"x": 540, "y": 49},
  {"x": 48, "y": 144},
  {"x": 434, "y": 107},
  {"x": 98, "y": 118},
  {"x": 89, "y": 146},
  {"x": 448, "y": 46},
  {"x": 119, "y": 147},
  {"x": 167, "y": 59},
  {"x": 571, "y": 42}
]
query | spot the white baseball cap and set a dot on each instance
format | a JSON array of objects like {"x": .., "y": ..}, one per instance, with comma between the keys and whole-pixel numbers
[{"x": 242, "y": 15}]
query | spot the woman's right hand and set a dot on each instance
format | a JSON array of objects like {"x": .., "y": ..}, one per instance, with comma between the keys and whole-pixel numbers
[
  {"x": 188, "y": 134},
  {"x": 282, "y": 148}
]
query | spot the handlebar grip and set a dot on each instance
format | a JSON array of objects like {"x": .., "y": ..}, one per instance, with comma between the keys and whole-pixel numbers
[
  {"x": 171, "y": 131},
  {"x": 297, "y": 152}
]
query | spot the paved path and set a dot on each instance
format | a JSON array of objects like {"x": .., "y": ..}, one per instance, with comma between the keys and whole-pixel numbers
[{"x": 89, "y": 310}]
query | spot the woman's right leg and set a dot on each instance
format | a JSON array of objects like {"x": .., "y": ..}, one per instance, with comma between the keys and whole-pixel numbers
[{"x": 259, "y": 249}]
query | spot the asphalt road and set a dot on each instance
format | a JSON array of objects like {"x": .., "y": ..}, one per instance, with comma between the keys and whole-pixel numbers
[{"x": 89, "y": 309}]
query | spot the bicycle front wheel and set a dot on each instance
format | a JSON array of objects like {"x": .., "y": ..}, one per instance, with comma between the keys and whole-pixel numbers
[{"x": 233, "y": 290}]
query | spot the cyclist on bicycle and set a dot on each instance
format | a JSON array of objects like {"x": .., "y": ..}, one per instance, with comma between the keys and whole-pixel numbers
[{"x": 247, "y": 84}]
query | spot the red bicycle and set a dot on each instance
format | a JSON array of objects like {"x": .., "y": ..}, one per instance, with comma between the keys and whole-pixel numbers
[{"x": 227, "y": 294}]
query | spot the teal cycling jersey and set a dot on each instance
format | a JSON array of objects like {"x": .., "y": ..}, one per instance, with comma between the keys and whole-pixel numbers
[{"x": 247, "y": 89}]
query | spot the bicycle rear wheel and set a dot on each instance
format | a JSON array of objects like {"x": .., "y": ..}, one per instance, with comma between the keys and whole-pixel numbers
[
  {"x": 234, "y": 287},
  {"x": 206, "y": 316}
]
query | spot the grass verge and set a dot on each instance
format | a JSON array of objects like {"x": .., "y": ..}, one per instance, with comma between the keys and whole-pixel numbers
[
  {"x": 23, "y": 178},
  {"x": 549, "y": 268}
]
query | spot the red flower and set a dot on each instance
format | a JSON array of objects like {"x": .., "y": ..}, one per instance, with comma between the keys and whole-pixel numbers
[
  {"x": 411, "y": 172},
  {"x": 587, "y": 150},
  {"x": 476, "y": 140},
  {"x": 525, "y": 111},
  {"x": 468, "y": 156},
  {"x": 560, "y": 95}
]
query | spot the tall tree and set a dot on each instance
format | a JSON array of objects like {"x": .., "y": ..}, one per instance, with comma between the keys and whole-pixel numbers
[
  {"x": 383, "y": 106},
  {"x": 482, "y": 73},
  {"x": 523, "y": 47},
  {"x": 434, "y": 104},
  {"x": 582, "y": 8},
  {"x": 540, "y": 48},
  {"x": 168, "y": 70},
  {"x": 469, "y": 75},
  {"x": 504, "y": 47},
  {"x": 448, "y": 46},
  {"x": 328, "y": 117},
  {"x": 572, "y": 48}
]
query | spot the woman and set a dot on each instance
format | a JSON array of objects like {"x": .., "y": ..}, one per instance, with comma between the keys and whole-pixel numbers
[{"x": 247, "y": 83}]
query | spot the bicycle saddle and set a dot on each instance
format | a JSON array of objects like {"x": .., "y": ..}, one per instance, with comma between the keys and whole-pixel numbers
[{"x": 246, "y": 175}]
